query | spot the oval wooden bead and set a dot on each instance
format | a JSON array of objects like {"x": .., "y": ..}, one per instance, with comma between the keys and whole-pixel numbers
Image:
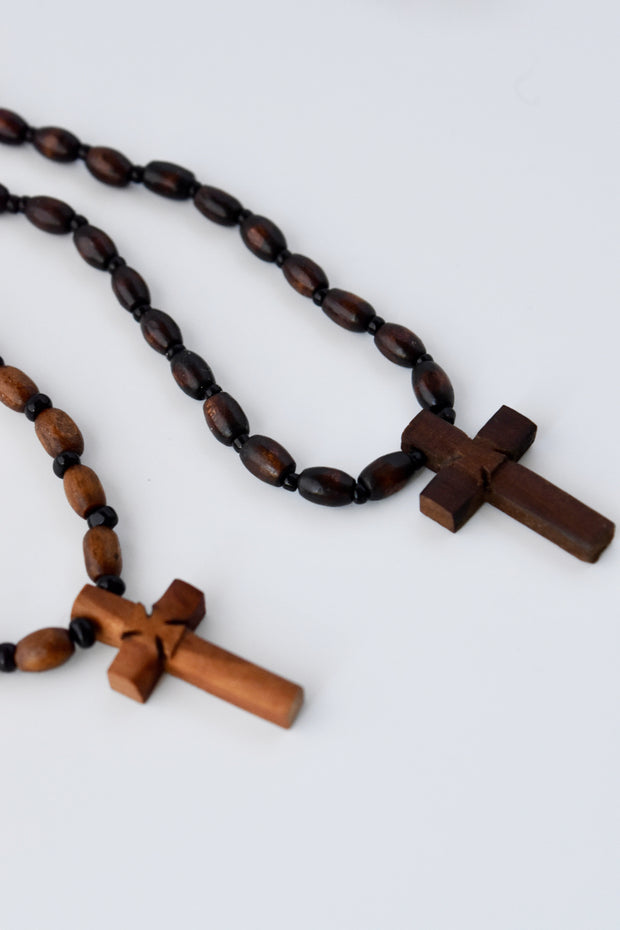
[
  {"x": 267, "y": 459},
  {"x": 160, "y": 330},
  {"x": 191, "y": 373},
  {"x": 327, "y": 486},
  {"x": 348, "y": 310},
  {"x": 225, "y": 418},
  {"x": 387, "y": 475},
  {"x": 58, "y": 433},
  {"x": 262, "y": 237},
  {"x": 94, "y": 246},
  {"x": 13, "y": 128},
  {"x": 44, "y": 650},
  {"x": 102, "y": 552},
  {"x": 168, "y": 180},
  {"x": 130, "y": 289},
  {"x": 83, "y": 489},
  {"x": 57, "y": 144},
  {"x": 304, "y": 275},
  {"x": 432, "y": 386},
  {"x": 217, "y": 205},
  {"x": 16, "y": 388},
  {"x": 399, "y": 344},
  {"x": 109, "y": 166},
  {"x": 50, "y": 215}
]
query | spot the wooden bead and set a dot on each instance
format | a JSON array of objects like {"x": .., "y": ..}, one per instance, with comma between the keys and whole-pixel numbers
[
  {"x": 304, "y": 275},
  {"x": 50, "y": 215},
  {"x": 58, "y": 433},
  {"x": 102, "y": 552},
  {"x": 83, "y": 489},
  {"x": 168, "y": 180},
  {"x": 225, "y": 418},
  {"x": 160, "y": 330},
  {"x": 57, "y": 144},
  {"x": 191, "y": 373},
  {"x": 327, "y": 486},
  {"x": 16, "y": 388},
  {"x": 387, "y": 475},
  {"x": 348, "y": 310},
  {"x": 13, "y": 128},
  {"x": 217, "y": 205},
  {"x": 109, "y": 166},
  {"x": 94, "y": 246},
  {"x": 262, "y": 237},
  {"x": 267, "y": 459},
  {"x": 432, "y": 386},
  {"x": 130, "y": 289},
  {"x": 399, "y": 344},
  {"x": 44, "y": 650}
]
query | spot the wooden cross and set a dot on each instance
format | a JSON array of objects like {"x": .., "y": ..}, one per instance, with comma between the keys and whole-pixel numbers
[
  {"x": 471, "y": 471},
  {"x": 164, "y": 642}
]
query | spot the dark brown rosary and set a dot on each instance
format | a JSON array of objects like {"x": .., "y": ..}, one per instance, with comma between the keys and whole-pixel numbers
[{"x": 469, "y": 472}]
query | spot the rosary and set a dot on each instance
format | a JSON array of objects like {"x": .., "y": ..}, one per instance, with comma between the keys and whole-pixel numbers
[{"x": 469, "y": 472}]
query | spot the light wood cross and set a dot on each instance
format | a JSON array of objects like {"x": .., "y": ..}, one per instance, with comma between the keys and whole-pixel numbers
[
  {"x": 472, "y": 471},
  {"x": 163, "y": 641}
]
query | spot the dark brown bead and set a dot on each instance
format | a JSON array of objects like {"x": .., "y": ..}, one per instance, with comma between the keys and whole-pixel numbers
[
  {"x": 94, "y": 246},
  {"x": 130, "y": 288},
  {"x": 267, "y": 459},
  {"x": 327, "y": 486},
  {"x": 83, "y": 489},
  {"x": 217, "y": 205},
  {"x": 57, "y": 144},
  {"x": 44, "y": 650},
  {"x": 168, "y": 180},
  {"x": 399, "y": 344},
  {"x": 102, "y": 552},
  {"x": 50, "y": 215},
  {"x": 347, "y": 310},
  {"x": 13, "y": 128},
  {"x": 191, "y": 373},
  {"x": 225, "y": 418},
  {"x": 58, "y": 433},
  {"x": 304, "y": 275},
  {"x": 109, "y": 166},
  {"x": 16, "y": 388},
  {"x": 432, "y": 386},
  {"x": 262, "y": 237},
  {"x": 387, "y": 475},
  {"x": 160, "y": 330}
]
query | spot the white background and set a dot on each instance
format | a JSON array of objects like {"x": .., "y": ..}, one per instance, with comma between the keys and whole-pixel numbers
[{"x": 456, "y": 766}]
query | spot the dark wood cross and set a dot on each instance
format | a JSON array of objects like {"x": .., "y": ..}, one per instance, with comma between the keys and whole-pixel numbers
[
  {"x": 472, "y": 471},
  {"x": 163, "y": 641}
]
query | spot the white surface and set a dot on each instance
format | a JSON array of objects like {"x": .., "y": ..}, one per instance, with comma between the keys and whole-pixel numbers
[{"x": 457, "y": 763}]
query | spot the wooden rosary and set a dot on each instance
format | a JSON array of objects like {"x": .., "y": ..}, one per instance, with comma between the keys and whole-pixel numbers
[{"x": 469, "y": 472}]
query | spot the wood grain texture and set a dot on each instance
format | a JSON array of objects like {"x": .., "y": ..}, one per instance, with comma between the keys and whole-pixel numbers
[
  {"x": 83, "y": 489},
  {"x": 102, "y": 552},
  {"x": 16, "y": 388},
  {"x": 58, "y": 433},
  {"x": 44, "y": 650}
]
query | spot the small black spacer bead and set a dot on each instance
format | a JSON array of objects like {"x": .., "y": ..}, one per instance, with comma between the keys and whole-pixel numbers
[
  {"x": 12, "y": 204},
  {"x": 64, "y": 462},
  {"x": 418, "y": 459},
  {"x": 360, "y": 494},
  {"x": 291, "y": 481},
  {"x": 194, "y": 188},
  {"x": 112, "y": 583},
  {"x": 319, "y": 296},
  {"x": 424, "y": 358},
  {"x": 83, "y": 152},
  {"x": 138, "y": 312},
  {"x": 7, "y": 657},
  {"x": 102, "y": 516},
  {"x": 284, "y": 254},
  {"x": 78, "y": 221},
  {"x": 243, "y": 215},
  {"x": 174, "y": 350},
  {"x": 29, "y": 134},
  {"x": 239, "y": 442},
  {"x": 213, "y": 389},
  {"x": 1, "y": 362},
  {"x": 137, "y": 174},
  {"x": 36, "y": 405},
  {"x": 117, "y": 262},
  {"x": 375, "y": 325},
  {"x": 82, "y": 632},
  {"x": 22, "y": 204},
  {"x": 448, "y": 414}
]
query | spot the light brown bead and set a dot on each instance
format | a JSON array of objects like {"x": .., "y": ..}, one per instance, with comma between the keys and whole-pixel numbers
[
  {"x": 102, "y": 552},
  {"x": 44, "y": 650},
  {"x": 83, "y": 489},
  {"x": 16, "y": 388},
  {"x": 58, "y": 433}
]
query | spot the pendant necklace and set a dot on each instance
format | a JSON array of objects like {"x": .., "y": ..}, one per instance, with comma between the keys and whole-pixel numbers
[{"x": 469, "y": 472}]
